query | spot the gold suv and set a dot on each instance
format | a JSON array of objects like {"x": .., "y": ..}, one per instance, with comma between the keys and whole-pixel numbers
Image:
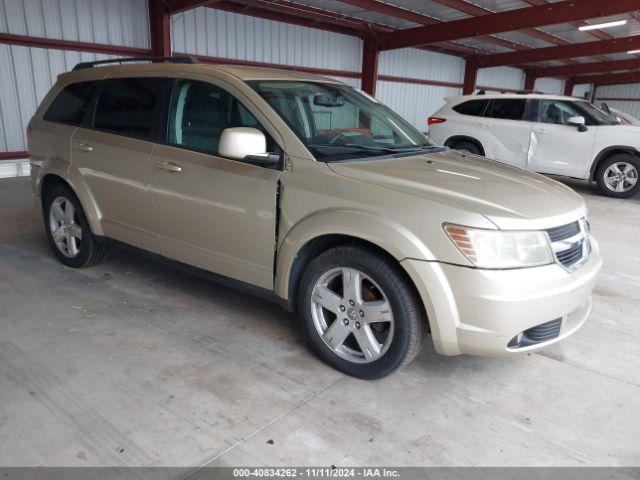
[{"x": 302, "y": 189}]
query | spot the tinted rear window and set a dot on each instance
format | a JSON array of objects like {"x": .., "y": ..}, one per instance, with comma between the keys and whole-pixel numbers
[
  {"x": 473, "y": 107},
  {"x": 72, "y": 103},
  {"x": 507, "y": 109},
  {"x": 129, "y": 106}
]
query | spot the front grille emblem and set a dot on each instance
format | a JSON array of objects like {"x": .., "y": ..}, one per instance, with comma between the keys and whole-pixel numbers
[{"x": 570, "y": 244}]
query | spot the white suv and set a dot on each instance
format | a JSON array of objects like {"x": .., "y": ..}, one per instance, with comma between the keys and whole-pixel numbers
[{"x": 544, "y": 133}]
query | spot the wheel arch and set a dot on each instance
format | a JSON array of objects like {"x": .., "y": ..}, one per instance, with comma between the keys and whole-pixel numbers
[
  {"x": 609, "y": 152},
  {"x": 49, "y": 179},
  {"x": 456, "y": 138},
  {"x": 311, "y": 237}
]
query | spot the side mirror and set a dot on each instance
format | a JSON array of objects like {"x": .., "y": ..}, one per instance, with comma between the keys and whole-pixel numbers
[
  {"x": 245, "y": 143},
  {"x": 579, "y": 122}
]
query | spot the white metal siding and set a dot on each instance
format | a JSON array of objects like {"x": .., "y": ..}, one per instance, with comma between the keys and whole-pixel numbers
[
  {"x": 26, "y": 76},
  {"x": 501, "y": 77},
  {"x": 553, "y": 86},
  {"x": 414, "y": 63},
  {"x": 215, "y": 33},
  {"x": 581, "y": 90},
  {"x": 414, "y": 102},
  {"x": 112, "y": 22},
  {"x": 631, "y": 91}
]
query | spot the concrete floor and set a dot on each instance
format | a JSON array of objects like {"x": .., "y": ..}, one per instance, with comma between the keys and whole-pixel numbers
[{"x": 134, "y": 363}]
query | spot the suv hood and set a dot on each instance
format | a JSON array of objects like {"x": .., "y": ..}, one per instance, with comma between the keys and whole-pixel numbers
[{"x": 512, "y": 198}]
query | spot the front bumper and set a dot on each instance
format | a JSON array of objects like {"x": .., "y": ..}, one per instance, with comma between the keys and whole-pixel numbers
[{"x": 479, "y": 312}]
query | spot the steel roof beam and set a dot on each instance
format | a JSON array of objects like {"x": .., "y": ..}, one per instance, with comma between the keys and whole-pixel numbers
[
  {"x": 608, "y": 79},
  {"x": 598, "y": 47},
  {"x": 421, "y": 18},
  {"x": 553, "y": 13},
  {"x": 584, "y": 68},
  {"x": 298, "y": 14}
]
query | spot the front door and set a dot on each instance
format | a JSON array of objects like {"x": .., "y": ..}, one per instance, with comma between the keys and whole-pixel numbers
[
  {"x": 114, "y": 157},
  {"x": 215, "y": 213},
  {"x": 557, "y": 147}
]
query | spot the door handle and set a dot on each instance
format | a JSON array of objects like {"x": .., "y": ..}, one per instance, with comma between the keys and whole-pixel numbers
[
  {"x": 169, "y": 167},
  {"x": 540, "y": 130},
  {"x": 486, "y": 124},
  {"x": 83, "y": 147}
]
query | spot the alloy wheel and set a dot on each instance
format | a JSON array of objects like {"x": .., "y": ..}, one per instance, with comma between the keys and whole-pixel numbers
[
  {"x": 65, "y": 227},
  {"x": 352, "y": 315},
  {"x": 620, "y": 177}
]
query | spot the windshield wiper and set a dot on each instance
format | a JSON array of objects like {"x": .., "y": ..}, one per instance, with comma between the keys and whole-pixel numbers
[{"x": 357, "y": 146}]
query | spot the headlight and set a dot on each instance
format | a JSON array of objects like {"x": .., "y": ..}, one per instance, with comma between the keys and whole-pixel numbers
[{"x": 501, "y": 249}]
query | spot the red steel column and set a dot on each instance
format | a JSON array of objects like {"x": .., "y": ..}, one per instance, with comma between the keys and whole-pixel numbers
[
  {"x": 529, "y": 82},
  {"x": 370, "y": 55},
  {"x": 159, "y": 26},
  {"x": 470, "y": 75},
  {"x": 568, "y": 87}
]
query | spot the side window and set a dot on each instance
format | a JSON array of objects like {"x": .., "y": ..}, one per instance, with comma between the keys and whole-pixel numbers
[
  {"x": 507, "y": 109},
  {"x": 130, "y": 106},
  {"x": 555, "y": 111},
  {"x": 72, "y": 103},
  {"x": 199, "y": 113},
  {"x": 474, "y": 108}
]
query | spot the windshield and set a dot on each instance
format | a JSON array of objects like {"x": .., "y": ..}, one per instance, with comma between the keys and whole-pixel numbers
[
  {"x": 598, "y": 117},
  {"x": 337, "y": 122}
]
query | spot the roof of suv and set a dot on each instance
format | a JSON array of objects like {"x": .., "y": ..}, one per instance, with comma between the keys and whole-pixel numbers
[
  {"x": 240, "y": 71},
  {"x": 511, "y": 95}
]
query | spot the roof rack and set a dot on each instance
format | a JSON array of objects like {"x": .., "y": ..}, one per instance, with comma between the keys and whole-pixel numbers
[{"x": 183, "y": 59}]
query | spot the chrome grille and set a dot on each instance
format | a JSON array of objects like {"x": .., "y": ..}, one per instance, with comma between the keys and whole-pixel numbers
[
  {"x": 565, "y": 231},
  {"x": 570, "y": 243}
]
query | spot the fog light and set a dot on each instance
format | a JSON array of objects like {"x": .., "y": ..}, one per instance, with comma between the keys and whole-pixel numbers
[{"x": 538, "y": 334}]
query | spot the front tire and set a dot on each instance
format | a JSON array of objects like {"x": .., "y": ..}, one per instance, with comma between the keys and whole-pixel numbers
[
  {"x": 617, "y": 176},
  {"x": 67, "y": 229},
  {"x": 359, "y": 313}
]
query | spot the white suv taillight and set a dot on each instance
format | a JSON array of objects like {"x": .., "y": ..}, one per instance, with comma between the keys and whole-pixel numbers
[{"x": 433, "y": 120}]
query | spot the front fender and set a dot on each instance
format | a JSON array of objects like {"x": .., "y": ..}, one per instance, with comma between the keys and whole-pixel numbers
[{"x": 392, "y": 237}]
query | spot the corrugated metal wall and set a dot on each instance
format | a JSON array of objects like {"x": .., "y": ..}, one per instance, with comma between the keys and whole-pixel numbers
[
  {"x": 414, "y": 102},
  {"x": 553, "y": 86},
  {"x": 215, "y": 33},
  {"x": 26, "y": 74},
  {"x": 414, "y": 63},
  {"x": 26, "y": 77},
  {"x": 112, "y": 22},
  {"x": 581, "y": 90},
  {"x": 630, "y": 91},
  {"x": 501, "y": 77},
  {"x": 417, "y": 102}
]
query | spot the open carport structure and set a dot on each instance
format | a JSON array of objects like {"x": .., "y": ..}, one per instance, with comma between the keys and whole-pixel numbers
[{"x": 135, "y": 363}]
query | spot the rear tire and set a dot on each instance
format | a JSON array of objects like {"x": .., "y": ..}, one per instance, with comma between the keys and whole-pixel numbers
[
  {"x": 359, "y": 313},
  {"x": 67, "y": 229},
  {"x": 617, "y": 176},
  {"x": 465, "y": 146}
]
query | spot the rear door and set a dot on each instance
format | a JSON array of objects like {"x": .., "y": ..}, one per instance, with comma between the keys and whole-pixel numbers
[
  {"x": 216, "y": 213},
  {"x": 556, "y": 146},
  {"x": 506, "y": 131},
  {"x": 114, "y": 156}
]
